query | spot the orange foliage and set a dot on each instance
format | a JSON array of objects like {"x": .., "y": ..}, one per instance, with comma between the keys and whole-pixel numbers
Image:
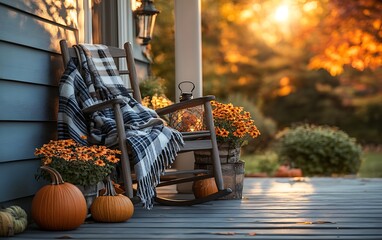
[{"x": 352, "y": 36}]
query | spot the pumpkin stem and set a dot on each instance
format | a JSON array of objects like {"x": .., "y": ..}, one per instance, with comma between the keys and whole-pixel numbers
[
  {"x": 54, "y": 175},
  {"x": 110, "y": 190}
]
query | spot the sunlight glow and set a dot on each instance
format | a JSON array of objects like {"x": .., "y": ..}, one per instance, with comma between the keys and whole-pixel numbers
[
  {"x": 285, "y": 87},
  {"x": 292, "y": 189},
  {"x": 246, "y": 14},
  {"x": 282, "y": 13},
  {"x": 62, "y": 12},
  {"x": 243, "y": 80},
  {"x": 310, "y": 6},
  {"x": 135, "y": 4},
  {"x": 285, "y": 188}
]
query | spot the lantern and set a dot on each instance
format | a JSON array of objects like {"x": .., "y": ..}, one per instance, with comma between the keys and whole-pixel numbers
[
  {"x": 189, "y": 119},
  {"x": 145, "y": 17}
]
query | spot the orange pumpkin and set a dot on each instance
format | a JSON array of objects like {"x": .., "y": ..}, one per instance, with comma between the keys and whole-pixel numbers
[
  {"x": 282, "y": 171},
  {"x": 112, "y": 207},
  {"x": 285, "y": 171},
  {"x": 295, "y": 172},
  {"x": 59, "y": 206},
  {"x": 204, "y": 187}
]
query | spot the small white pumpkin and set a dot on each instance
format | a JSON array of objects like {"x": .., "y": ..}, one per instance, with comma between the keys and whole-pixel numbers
[
  {"x": 6, "y": 224},
  {"x": 20, "y": 218}
]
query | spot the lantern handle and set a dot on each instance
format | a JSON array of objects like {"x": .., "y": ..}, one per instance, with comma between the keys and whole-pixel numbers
[{"x": 193, "y": 85}]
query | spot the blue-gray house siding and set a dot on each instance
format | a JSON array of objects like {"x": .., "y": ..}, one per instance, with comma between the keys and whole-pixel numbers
[{"x": 30, "y": 68}]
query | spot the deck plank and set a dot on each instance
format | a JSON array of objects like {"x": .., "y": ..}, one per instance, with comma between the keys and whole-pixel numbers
[{"x": 271, "y": 208}]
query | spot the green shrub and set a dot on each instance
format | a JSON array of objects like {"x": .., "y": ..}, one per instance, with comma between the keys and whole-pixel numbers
[
  {"x": 152, "y": 85},
  {"x": 266, "y": 162},
  {"x": 319, "y": 150}
]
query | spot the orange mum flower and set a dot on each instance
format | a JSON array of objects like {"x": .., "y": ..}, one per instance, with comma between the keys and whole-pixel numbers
[
  {"x": 233, "y": 124},
  {"x": 47, "y": 161},
  {"x": 100, "y": 163},
  {"x": 84, "y": 157},
  {"x": 112, "y": 159}
]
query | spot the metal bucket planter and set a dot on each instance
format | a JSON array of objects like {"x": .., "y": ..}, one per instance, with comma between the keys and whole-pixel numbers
[
  {"x": 90, "y": 193},
  {"x": 232, "y": 168},
  {"x": 227, "y": 154}
]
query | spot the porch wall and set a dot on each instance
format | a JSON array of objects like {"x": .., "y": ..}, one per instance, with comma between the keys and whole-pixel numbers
[{"x": 30, "y": 67}]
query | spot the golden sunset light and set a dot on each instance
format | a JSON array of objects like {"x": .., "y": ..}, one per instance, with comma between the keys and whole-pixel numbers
[
  {"x": 191, "y": 119},
  {"x": 282, "y": 13}
]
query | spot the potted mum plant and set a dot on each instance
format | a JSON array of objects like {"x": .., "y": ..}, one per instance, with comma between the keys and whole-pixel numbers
[
  {"x": 234, "y": 127},
  {"x": 83, "y": 166}
]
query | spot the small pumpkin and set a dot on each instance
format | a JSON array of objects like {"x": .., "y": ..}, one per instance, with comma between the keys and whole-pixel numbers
[
  {"x": 20, "y": 218},
  {"x": 286, "y": 171},
  {"x": 111, "y": 207},
  {"x": 58, "y": 206},
  {"x": 295, "y": 172},
  {"x": 282, "y": 171},
  {"x": 204, "y": 187},
  {"x": 6, "y": 224}
]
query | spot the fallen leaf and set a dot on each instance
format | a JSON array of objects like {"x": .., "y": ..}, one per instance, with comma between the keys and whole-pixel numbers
[
  {"x": 252, "y": 234},
  {"x": 304, "y": 222},
  {"x": 323, "y": 222}
]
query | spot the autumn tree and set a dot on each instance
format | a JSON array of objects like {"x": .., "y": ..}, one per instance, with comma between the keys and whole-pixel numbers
[
  {"x": 350, "y": 35},
  {"x": 307, "y": 60},
  {"x": 163, "y": 47}
]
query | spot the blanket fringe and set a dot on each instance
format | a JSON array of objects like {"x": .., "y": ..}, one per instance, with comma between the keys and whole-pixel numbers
[{"x": 145, "y": 190}]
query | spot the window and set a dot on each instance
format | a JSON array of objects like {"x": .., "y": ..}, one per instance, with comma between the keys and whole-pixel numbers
[{"x": 105, "y": 22}]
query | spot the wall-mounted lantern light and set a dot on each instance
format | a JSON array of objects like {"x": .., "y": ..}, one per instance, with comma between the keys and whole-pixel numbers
[{"x": 145, "y": 16}]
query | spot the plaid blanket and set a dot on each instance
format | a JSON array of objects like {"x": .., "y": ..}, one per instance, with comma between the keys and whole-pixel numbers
[{"x": 153, "y": 148}]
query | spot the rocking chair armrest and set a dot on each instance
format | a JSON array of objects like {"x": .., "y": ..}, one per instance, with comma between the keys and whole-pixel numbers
[
  {"x": 100, "y": 106},
  {"x": 185, "y": 104}
]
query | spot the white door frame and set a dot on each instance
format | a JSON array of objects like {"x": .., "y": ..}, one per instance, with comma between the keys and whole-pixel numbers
[{"x": 84, "y": 18}]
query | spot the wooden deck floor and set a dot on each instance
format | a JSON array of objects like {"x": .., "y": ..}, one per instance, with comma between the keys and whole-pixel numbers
[{"x": 271, "y": 208}]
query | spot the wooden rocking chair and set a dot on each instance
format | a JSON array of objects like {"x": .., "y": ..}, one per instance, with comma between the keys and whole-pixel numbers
[{"x": 198, "y": 140}]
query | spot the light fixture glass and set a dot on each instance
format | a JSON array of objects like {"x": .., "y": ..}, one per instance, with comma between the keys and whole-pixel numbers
[{"x": 145, "y": 17}]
